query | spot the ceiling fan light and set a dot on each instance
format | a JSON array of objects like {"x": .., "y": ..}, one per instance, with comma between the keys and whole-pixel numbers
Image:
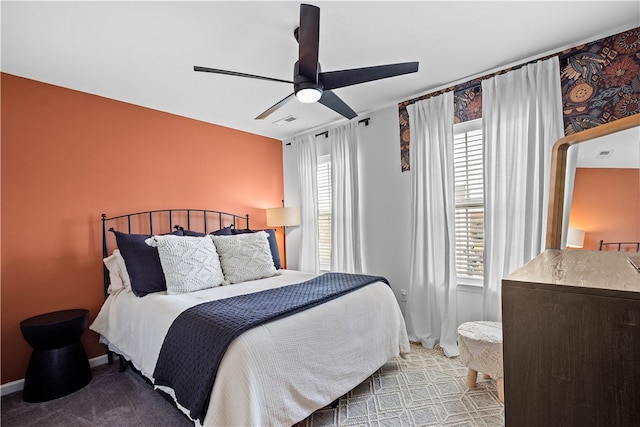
[{"x": 308, "y": 95}]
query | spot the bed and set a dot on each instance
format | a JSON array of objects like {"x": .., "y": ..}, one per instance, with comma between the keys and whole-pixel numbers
[{"x": 276, "y": 373}]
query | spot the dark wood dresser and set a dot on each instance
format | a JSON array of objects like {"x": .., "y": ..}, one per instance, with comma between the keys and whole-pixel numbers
[{"x": 571, "y": 340}]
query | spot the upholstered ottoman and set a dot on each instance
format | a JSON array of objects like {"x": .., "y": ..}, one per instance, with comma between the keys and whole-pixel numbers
[{"x": 480, "y": 346}]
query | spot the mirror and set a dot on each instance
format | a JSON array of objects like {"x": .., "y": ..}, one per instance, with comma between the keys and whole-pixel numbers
[
  {"x": 559, "y": 169},
  {"x": 602, "y": 191}
]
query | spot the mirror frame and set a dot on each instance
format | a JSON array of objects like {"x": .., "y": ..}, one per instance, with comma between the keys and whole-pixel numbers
[{"x": 559, "y": 169}]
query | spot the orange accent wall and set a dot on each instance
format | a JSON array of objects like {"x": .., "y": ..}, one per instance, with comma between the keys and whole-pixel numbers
[
  {"x": 606, "y": 205},
  {"x": 68, "y": 156}
]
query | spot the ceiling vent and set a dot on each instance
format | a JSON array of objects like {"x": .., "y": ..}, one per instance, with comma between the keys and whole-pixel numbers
[
  {"x": 604, "y": 154},
  {"x": 284, "y": 121}
]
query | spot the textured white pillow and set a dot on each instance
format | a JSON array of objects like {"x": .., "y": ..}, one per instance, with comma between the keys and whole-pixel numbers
[
  {"x": 118, "y": 274},
  {"x": 245, "y": 256},
  {"x": 189, "y": 263}
]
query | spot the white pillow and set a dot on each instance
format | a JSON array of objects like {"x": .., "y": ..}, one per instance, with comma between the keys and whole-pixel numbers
[
  {"x": 189, "y": 263},
  {"x": 118, "y": 274},
  {"x": 245, "y": 256},
  {"x": 115, "y": 283},
  {"x": 124, "y": 274}
]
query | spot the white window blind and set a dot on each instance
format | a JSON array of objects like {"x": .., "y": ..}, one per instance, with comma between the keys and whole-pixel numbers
[
  {"x": 324, "y": 212},
  {"x": 468, "y": 166}
]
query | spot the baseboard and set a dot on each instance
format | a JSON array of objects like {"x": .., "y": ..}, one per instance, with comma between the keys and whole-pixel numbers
[
  {"x": 18, "y": 385},
  {"x": 98, "y": 361},
  {"x": 11, "y": 387}
]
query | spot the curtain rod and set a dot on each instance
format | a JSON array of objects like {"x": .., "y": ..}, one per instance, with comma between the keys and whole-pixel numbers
[{"x": 326, "y": 132}]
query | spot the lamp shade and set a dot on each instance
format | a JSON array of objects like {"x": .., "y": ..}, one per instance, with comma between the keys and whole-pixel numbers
[
  {"x": 575, "y": 238},
  {"x": 277, "y": 217}
]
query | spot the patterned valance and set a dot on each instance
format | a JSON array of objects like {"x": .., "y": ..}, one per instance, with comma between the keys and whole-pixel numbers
[{"x": 600, "y": 83}]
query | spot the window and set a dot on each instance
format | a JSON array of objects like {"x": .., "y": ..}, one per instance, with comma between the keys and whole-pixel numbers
[
  {"x": 324, "y": 212},
  {"x": 469, "y": 224}
]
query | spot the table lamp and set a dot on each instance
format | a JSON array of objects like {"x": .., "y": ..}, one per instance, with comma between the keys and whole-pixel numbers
[
  {"x": 575, "y": 238},
  {"x": 283, "y": 217}
]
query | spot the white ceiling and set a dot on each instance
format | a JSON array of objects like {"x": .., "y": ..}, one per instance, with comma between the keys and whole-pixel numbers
[
  {"x": 144, "y": 52},
  {"x": 624, "y": 147}
]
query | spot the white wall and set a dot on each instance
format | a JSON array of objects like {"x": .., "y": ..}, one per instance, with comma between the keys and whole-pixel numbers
[{"x": 385, "y": 208}]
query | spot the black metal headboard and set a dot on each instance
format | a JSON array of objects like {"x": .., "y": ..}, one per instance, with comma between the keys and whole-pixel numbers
[
  {"x": 627, "y": 245},
  {"x": 166, "y": 220}
]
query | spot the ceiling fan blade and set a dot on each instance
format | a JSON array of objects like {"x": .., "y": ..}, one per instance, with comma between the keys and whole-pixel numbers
[
  {"x": 308, "y": 39},
  {"x": 337, "y": 79},
  {"x": 275, "y": 106},
  {"x": 333, "y": 101},
  {"x": 234, "y": 73}
]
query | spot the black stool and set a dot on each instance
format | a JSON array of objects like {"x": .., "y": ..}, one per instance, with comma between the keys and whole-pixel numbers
[{"x": 59, "y": 363}]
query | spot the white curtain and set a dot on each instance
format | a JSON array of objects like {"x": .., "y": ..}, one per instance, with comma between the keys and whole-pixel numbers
[
  {"x": 345, "y": 214},
  {"x": 570, "y": 178},
  {"x": 521, "y": 120},
  {"x": 307, "y": 165},
  {"x": 431, "y": 300}
]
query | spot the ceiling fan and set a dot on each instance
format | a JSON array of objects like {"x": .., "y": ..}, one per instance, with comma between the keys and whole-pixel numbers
[{"x": 310, "y": 84}]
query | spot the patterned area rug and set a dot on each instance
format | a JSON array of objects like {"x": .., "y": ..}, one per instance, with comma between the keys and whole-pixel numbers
[{"x": 425, "y": 389}]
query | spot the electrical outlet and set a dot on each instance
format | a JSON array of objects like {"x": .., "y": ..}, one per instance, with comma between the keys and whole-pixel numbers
[{"x": 403, "y": 295}]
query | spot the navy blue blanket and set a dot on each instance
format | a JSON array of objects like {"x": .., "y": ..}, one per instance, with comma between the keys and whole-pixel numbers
[{"x": 198, "y": 338}]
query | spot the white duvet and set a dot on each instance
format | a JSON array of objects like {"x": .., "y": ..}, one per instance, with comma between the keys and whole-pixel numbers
[{"x": 276, "y": 374}]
